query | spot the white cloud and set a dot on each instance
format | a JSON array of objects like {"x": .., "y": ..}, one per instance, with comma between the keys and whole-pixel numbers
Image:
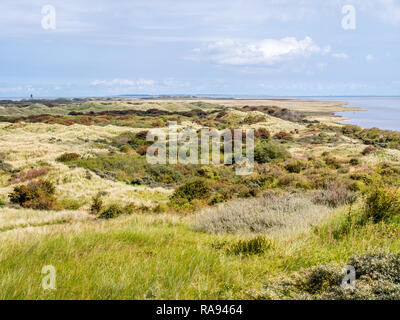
[
  {"x": 20, "y": 89},
  {"x": 390, "y": 11},
  {"x": 174, "y": 83},
  {"x": 369, "y": 58},
  {"x": 141, "y": 83},
  {"x": 263, "y": 52},
  {"x": 340, "y": 55}
]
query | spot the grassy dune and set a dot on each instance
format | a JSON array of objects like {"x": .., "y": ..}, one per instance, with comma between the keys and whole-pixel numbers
[
  {"x": 308, "y": 203},
  {"x": 159, "y": 257}
]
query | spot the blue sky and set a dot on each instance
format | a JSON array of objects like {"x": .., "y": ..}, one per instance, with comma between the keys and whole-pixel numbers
[{"x": 253, "y": 47}]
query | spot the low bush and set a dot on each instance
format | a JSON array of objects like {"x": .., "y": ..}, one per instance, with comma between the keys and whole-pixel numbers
[
  {"x": 335, "y": 195},
  {"x": 70, "y": 204},
  {"x": 283, "y": 135},
  {"x": 115, "y": 210},
  {"x": 377, "y": 277},
  {"x": 273, "y": 213},
  {"x": 112, "y": 211},
  {"x": 66, "y": 157},
  {"x": 354, "y": 162},
  {"x": 332, "y": 162},
  {"x": 382, "y": 203},
  {"x": 97, "y": 205},
  {"x": 142, "y": 150},
  {"x": 268, "y": 151},
  {"x": 38, "y": 195},
  {"x": 262, "y": 134},
  {"x": 368, "y": 150},
  {"x": 206, "y": 172},
  {"x": 165, "y": 174},
  {"x": 195, "y": 189},
  {"x": 295, "y": 166}
]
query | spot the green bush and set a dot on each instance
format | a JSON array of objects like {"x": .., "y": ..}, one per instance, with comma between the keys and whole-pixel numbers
[
  {"x": 112, "y": 211},
  {"x": 206, "y": 172},
  {"x": 70, "y": 204},
  {"x": 165, "y": 174},
  {"x": 195, "y": 189},
  {"x": 382, "y": 203},
  {"x": 268, "y": 151},
  {"x": 121, "y": 166},
  {"x": 97, "y": 205},
  {"x": 377, "y": 277},
  {"x": 35, "y": 195},
  {"x": 332, "y": 162},
  {"x": 68, "y": 157},
  {"x": 295, "y": 166},
  {"x": 354, "y": 162}
]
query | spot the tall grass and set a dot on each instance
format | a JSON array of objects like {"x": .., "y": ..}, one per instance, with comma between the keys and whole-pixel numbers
[{"x": 269, "y": 214}]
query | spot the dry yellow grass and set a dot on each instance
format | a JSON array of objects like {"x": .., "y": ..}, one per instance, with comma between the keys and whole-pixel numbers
[
  {"x": 24, "y": 146},
  {"x": 298, "y": 105}
]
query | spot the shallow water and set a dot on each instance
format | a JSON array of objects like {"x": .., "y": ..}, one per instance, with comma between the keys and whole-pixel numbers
[{"x": 380, "y": 112}]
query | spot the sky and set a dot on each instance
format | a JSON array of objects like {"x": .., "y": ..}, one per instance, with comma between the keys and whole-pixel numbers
[{"x": 58, "y": 48}]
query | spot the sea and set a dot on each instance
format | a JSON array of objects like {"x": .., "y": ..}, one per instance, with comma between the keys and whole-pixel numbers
[{"x": 380, "y": 112}]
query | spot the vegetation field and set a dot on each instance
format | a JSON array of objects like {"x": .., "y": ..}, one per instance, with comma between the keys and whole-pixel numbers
[{"x": 77, "y": 194}]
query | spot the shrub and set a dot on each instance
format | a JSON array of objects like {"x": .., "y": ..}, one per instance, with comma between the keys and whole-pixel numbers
[
  {"x": 36, "y": 195},
  {"x": 335, "y": 195},
  {"x": 354, "y": 162},
  {"x": 295, "y": 166},
  {"x": 142, "y": 150},
  {"x": 165, "y": 174},
  {"x": 206, "y": 172},
  {"x": 268, "y": 151},
  {"x": 196, "y": 189},
  {"x": 70, "y": 204},
  {"x": 66, "y": 157},
  {"x": 112, "y": 211},
  {"x": 97, "y": 205},
  {"x": 283, "y": 135},
  {"x": 368, "y": 150},
  {"x": 262, "y": 134},
  {"x": 377, "y": 278},
  {"x": 273, "y": 213},
  {"x": 332, "y": 162},
  {"x": 382, "y": 203}
]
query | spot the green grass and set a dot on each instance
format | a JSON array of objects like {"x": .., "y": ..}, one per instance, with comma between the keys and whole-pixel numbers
[{"x": 159, "y": 257}]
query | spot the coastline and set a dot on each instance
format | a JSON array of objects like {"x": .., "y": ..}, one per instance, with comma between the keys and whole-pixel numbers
[{"x": 327, "y": 110}]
